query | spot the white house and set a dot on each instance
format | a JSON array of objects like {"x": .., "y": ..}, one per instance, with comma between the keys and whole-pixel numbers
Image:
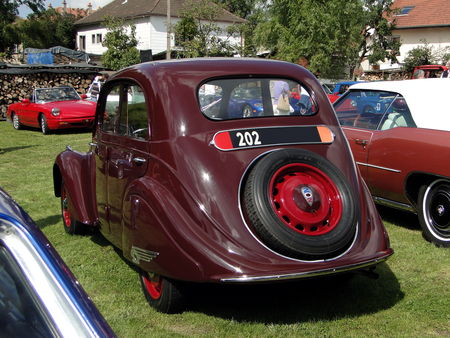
[
  {"x": 418, "y": 21},
  {"x": 150, "y": 19}
]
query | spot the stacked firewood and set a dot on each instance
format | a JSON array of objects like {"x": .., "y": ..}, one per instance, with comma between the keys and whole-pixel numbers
[{"x": 14, "y": 88}]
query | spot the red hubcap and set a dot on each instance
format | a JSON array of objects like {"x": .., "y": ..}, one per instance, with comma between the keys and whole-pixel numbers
[
  {"x": 153, "y": 286},
  {"x": 65, "y": 208},
  {"x": 305, "y": 199}
]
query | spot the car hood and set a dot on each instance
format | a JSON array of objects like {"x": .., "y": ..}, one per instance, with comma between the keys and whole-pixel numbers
[{"x": 74, "y": 108}]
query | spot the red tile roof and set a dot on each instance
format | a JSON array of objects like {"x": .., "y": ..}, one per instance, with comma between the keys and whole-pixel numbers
[
  {"x": 425, "y": 13},
  {"x": 78, "y": 12}
]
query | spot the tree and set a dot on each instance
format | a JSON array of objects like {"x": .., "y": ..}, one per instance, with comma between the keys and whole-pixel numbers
[
  {"x": 253, "y": 12},
  {"x": 198, "y": 34},
  {"x": 376, "y": 42},
  {"x": 33, "y": 32},
  {"x": 121, "y": 43},
  {"x": 331, "y": 34},
  {"x": 9, "y": 9}
]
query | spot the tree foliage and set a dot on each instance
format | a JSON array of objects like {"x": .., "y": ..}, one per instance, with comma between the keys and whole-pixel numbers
[
  {"x": 198, "y": 34},
  {"x": 425, "y": 55},
  {"x": 332, "y": 35},
  {"x": 121, "y": 43},
  {"x": 34, "y": 32},
  {"x": 9, "y": 9}
]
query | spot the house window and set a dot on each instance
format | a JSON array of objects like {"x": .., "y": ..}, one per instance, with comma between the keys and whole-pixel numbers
[
  {"x": 99, "y": 38},
  {"x": 82, "y": 42},
  {"x": 93, "y": 38},
  {"x": 405, "y": 10}
]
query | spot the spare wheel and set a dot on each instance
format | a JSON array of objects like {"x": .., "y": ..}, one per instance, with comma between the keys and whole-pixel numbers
[{"x": 300, "y": 205}]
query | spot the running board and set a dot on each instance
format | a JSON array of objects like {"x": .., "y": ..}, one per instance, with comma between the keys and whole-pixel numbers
[{"x": 393, "y": 204}]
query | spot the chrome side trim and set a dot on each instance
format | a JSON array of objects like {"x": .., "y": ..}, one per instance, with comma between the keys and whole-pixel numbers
[
  {"x": 393, "y": 204},
  {"x": 317, "y": 273},
  {"x": 378, "y": 167},
  {"x": 138, "y": 254}
]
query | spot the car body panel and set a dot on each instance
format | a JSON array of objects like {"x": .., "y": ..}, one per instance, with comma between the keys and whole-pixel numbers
[{"x": 181, "y": 213}]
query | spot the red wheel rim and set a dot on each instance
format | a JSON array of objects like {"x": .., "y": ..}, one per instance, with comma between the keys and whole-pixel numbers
[
  {"x": 65, "y": 208},
  {"x": 153, "y": 286},
  {"x": 305, "y": 199}
]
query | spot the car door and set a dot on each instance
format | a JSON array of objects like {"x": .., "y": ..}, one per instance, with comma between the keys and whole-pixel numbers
[
  {"x": 121, "y": 153},
  {"x": 359, "y": 125}
]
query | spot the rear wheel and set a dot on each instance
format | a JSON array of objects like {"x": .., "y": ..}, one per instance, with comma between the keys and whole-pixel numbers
[
  {"x": 161, "y": 293},
  {"x": 15, "y": 121},
  {"x": 300, "y": 205},
  {"x": 434, "y": 212},
  {"x": 43, "y": 124},
  {"x": 71, "y": 225}
]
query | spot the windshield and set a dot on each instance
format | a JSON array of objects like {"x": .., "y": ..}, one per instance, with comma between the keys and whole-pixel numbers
[
  {"x": 56, "y": 94},
  {"x": 227, "y": 99}
]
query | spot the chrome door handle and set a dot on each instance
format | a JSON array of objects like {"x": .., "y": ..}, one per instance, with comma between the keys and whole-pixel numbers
[
  {"x": 139, "y": 160},
  {"x": 92, "y": 144},
  {"x": 361, "y": 142}
]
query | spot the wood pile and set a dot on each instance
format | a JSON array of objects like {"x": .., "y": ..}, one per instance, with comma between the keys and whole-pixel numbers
[{"x": 14, "y": 88}]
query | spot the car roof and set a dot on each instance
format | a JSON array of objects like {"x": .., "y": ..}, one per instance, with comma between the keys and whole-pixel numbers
[{"x": 427, "y": 99}]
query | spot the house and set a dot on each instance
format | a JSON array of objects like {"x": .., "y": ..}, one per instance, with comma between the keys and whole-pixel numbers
[
  {"x": 418, "y": 21},
  {"x": 150, "y": 19}
]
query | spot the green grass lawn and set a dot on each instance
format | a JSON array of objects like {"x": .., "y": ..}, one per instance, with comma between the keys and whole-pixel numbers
[{"x": 410, "y": 299}]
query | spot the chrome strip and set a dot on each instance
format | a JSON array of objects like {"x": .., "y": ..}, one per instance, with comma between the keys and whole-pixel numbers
[
  {"x": 249, "y": 279},
  {"x": 393, "y": 204},
  {"x": 378, "y": 167}
]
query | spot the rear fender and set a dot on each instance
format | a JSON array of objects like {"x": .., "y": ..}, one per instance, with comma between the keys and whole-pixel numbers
[{"x": 78, "y": 172}]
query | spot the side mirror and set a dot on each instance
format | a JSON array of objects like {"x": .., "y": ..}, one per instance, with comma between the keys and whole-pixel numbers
[
  {"x": 26, "y": 101},
  {"x": 83, "y": 96}
]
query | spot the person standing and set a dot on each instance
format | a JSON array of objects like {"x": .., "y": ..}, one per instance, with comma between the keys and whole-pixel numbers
[{"x": 446, "y": 73}]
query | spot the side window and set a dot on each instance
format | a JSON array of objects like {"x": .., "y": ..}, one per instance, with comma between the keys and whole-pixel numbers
[
  {"x": 363, "y": 109},
  {"x": 126, "y": 112},
  {"x": 112, "y": 110},
  {"x": 397, "y": 115}
]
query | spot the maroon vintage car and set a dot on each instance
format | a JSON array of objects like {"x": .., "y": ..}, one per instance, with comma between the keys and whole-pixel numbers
[
  {"x": 192, "y": 185},
  {"x": 399, "y": 133},
  {"x": 52, "y": 108}
]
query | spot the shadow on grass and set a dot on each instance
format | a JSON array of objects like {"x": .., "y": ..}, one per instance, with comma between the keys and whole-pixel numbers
[
  {"x": 7, "y": 150},
  {"x": 327, "y": 298},
  {"x": 407, "y": 220},
  {"x": 47, "y": 221}
]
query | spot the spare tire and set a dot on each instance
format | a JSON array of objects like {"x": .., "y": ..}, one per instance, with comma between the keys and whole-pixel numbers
[{"x": 300, "y": 205}]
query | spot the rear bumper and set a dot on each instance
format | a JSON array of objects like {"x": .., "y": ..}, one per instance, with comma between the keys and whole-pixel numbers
[{"x": 308, "y": 274}]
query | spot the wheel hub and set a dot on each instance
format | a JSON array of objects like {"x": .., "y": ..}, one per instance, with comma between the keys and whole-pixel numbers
[{"x": 305, "y": 199}]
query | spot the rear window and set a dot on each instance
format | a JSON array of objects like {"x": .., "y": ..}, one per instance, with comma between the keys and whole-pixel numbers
[{"x": 227, "y": 99}]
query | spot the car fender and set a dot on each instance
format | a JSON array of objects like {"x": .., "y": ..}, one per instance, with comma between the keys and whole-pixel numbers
[
  {"x": 78, "y": 172},
  {"x": 151, "y": 238}
]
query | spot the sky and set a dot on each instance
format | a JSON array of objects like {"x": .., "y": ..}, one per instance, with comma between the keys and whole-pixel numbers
[{"x": 24, "y": 11}]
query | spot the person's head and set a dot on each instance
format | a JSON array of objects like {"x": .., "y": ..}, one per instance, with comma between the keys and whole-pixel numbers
[{"x": 419, "y": 74}]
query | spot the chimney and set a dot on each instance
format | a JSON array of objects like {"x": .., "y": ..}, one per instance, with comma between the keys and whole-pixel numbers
[
  {"x": 65, "y": 6},
  {"x": 89, "y": 8}
]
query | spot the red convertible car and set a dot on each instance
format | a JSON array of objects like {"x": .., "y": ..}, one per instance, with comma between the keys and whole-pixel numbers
[
  {"x": 399, "y": 133},
  {"x": 52, "y": 108},
  {"x": 201, "y": 190}
]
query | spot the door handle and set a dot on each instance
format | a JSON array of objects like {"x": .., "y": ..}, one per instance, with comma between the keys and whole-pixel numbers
[
  {"x": 93, "y": 144},
  {"x": 139, "y": 160},
  {"x": 361, "y": 142}
]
